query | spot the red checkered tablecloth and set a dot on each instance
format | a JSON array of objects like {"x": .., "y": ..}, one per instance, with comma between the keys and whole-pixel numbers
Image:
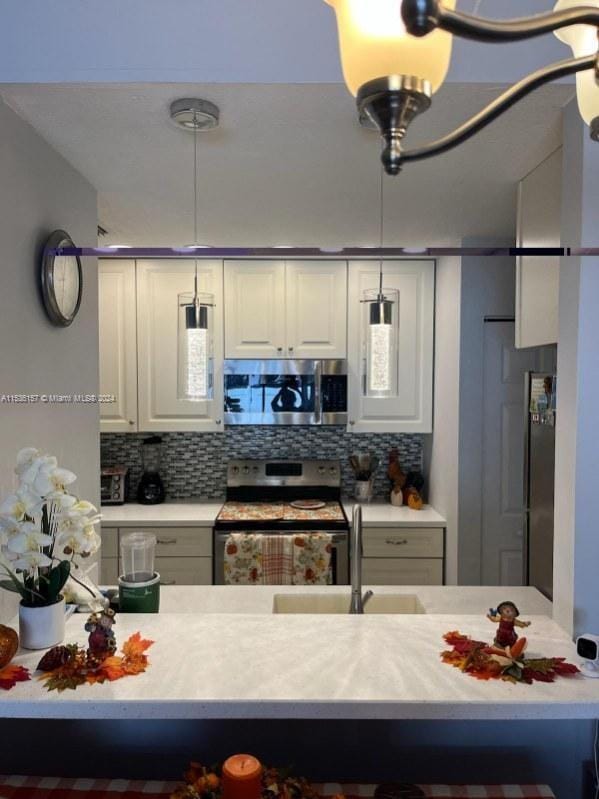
[{"x": 59, "y": 788}]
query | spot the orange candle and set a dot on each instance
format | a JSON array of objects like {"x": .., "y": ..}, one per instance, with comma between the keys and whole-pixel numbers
[{"x": 242, "y": 778}]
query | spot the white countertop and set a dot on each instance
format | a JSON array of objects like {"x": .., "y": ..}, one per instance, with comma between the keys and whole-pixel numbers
[
  {"x": 197, "y": 513},
  {"x": 167, "y": 514},
  {"x": 257, "y": 665}
]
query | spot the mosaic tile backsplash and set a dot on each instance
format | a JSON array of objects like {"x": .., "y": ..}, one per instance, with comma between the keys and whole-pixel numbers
[{"x": 194, "y": 464}]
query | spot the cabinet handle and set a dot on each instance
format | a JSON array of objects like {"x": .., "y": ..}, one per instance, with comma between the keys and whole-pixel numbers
[
  {"x": 218, "y": 421},
  {"x": 166, "y": 541},
  {"x": 352, "y": 423},
  {"x": 131, "y": 421},
  {"x": 290, "y": 349},
  {"x": 168, "y": 582},
  {"x": 279, "y": 349},
  {"x": 396, "y": 542}
]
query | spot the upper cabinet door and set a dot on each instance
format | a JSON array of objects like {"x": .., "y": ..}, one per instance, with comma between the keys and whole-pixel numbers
[
  {"x": 159, "y": 284},
  {"x": 411, "y": 410},
  {"x": 316, "y": 309},
  {"x": 255, "y": 313},
  {"x": 118, "y": 345}
]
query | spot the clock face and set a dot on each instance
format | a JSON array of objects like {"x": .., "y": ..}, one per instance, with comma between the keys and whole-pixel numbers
[
  {"x": 61, "y": 280},
  {"x": 66, "y": 284}
]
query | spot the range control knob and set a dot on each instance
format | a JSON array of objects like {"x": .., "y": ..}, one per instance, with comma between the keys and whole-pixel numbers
[
  {"x": 235, "y": 469},
  {"x": 255, "y": 469},
  {"x": 321, "y": 470},
  {"x": 333, "y": 469},
  {"x": 246, "y": 469}
]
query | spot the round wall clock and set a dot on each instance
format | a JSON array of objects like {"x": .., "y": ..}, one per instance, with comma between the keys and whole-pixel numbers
[{"x": 61, "y": 280}]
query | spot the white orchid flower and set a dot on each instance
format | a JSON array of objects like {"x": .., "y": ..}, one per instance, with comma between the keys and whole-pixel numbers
[
  {"x": 52, "y": 479},
  {"x": 31, "y": 560},
  {"x": 29, "y": 540},
  {"x": 30, "y": 470},
  {"x": 84, "y": 507},
  {"x": 25, "y": 459},
  {"x": 20, "y": 504}
]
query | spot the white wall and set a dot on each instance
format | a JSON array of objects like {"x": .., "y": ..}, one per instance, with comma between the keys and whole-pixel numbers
[
  {"x": 576, "y": 551},
  {"x": 39, "y": 192},
  {"x": 487, "y": 289},
  {"x": 537, "y": 278},
  {"x": 441, "y": 449}
]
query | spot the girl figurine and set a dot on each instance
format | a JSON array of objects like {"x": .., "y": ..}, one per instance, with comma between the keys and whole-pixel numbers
[
  {"x": 101, "y": 641},
  {"x": 506, "y": 615}
]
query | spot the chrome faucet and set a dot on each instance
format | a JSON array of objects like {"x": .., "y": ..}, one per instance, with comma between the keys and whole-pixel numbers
[{"x": 357, "y": 599}]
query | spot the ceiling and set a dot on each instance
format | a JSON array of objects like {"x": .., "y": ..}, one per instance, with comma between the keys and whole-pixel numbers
[{"x": 289, "y": 164}]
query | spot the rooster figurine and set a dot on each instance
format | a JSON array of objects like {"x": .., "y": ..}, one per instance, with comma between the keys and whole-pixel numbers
[{"x": 397, "y": 477}]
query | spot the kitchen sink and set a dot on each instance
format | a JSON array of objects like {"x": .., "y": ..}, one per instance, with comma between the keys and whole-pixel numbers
[{"x": 339, "y": 603}]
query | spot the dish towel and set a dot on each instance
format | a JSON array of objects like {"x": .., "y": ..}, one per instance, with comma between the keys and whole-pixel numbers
[
  {"x": 261, "y": 559},
  {"x": 312, "y": 559}
]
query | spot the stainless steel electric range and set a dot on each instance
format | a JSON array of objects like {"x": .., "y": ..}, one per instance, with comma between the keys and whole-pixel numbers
[{"x": 261, "y": 499}]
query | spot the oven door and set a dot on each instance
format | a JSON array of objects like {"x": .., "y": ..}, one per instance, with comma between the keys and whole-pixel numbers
[{"x": 339, "y": 555}]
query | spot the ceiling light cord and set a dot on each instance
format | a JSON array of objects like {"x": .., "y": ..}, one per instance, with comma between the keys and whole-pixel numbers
[{"x": 195, "y": 202}]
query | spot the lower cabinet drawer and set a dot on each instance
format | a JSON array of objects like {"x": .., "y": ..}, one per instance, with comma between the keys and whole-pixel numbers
[
  {"x": 109, "y": 571},
  {"x": 178, "y": 542},
  {"x": 403, "y": 542},
  {"x": 402, "y": 571},
  {"x": 184, "y": 571}
]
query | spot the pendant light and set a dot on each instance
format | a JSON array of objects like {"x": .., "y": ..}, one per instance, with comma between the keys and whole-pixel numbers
[
  {"x": 395, "y": 55},
  {"x": 380, "y": 331},
  {"x": 583, "y": 39},
  {"x": 195, "y": 324}
]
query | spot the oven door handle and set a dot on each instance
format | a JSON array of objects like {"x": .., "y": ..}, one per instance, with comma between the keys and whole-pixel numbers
[{"x": 336, "y": 537}]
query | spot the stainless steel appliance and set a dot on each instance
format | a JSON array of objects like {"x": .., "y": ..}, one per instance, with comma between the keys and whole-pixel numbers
[
  {"x": 113, "y": 485},
  {"x": 284, "y": 392},
  {"x": 259, "y": 497},
  {"x": 539, "y": 480}
]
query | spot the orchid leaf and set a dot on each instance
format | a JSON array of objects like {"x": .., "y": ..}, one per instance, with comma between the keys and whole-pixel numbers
[
  {"x": 15, "y": 586},
  {"x": 57, "y": 577}
]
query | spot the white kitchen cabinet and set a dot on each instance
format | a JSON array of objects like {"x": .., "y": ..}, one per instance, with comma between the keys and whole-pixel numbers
[
  {"x": 285, "y": 309},
  {"x": 411, "y": 411},
  {"x": 403, "y": 555},
  {"x": 159, "y": 283},
  {"x": 316, "y": 307},
  {"x": 118, "y": 345},
  {"x": 183, "y": 554},
  {"x": 255, "y": 309},
  {"x": 402, "y": 571}
]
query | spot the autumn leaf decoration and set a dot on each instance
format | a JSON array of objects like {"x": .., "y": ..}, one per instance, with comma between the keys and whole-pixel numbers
[
  {"x": 10, "y": 675},
  {"x": 485, "y": 662},
  {"x": 76, "y": 668}
]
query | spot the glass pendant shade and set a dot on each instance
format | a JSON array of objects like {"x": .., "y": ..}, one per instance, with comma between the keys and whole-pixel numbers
[
  {"x": 195, "y": 350},
  {"x": 380, "y": 340},
  {"x": 374, "y": 44},
  {"x": 583, "y": 41}
]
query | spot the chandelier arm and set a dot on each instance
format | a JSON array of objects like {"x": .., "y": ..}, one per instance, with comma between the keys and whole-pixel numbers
[
  {"x": 499, "y": 105},
  {"x": 422, "y": 16}
]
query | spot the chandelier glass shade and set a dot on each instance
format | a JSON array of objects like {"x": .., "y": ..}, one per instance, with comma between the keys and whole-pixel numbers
[
  {"x": 584, "y": 42},
  {"x": 195, "y": 348},
  {"x": 373, "y": 43}
]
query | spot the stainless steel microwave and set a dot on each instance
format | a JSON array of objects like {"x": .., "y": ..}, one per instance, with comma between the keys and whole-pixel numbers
[{"x": 285, "y": 392}]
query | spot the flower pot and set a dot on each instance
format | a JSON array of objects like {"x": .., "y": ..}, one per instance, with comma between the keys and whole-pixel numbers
[{"x": 42, "y": 627}]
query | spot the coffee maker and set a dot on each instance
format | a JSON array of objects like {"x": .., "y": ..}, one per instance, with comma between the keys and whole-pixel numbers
[{"x": 150, "y": 490}]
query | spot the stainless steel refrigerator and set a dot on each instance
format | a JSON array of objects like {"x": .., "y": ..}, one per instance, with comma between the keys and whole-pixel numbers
[{"x": 539, "y": 480}]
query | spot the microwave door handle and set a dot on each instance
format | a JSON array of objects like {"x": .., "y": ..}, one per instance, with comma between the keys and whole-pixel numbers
[{"x": 318, "y": 393}]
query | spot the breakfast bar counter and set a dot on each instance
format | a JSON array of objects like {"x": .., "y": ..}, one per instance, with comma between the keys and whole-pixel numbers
[{"x": 256, "y": 664}]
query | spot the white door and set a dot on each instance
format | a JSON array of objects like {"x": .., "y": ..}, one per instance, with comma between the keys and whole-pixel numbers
[
  {"x": 255, "y": 309},
  {"x": 503, "y": 453},
  {"x": 118, "y": 345},
  {"x": 159, "y": 284},
  {"x": 316, "y": 307},
  {"x": 412, "y": 410}
]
